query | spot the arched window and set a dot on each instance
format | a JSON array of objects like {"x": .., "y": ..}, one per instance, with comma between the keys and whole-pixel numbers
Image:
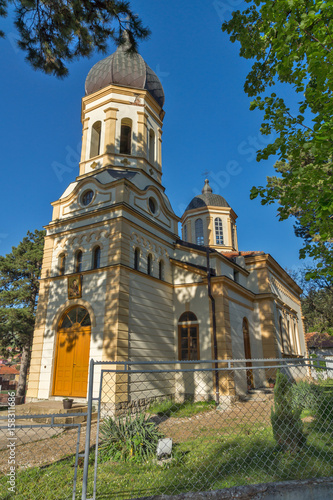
[
  {"x": 62, "y": 264},
  {"x": 97, "y": 258},
  {"x": 199, "y": 234},
  {"x": 136, "y": 258},
  {"x": 126, "y": 136},
  {"x": 76, "y": 316},
  {"x": 247, "y": 353},
  {"x": 161, "y": 270},
  {"x": 188, "y": 337},
  {"x": 78, "y": 261},
  {"x": 149, "y": 264},
  {"x": 151, "y": 146},
  {"x": 281, "y": 333},
  {"x": 218, "y": 231},
  {"x": 95, "y": 143},
  {"x": 185, "y": 232}
]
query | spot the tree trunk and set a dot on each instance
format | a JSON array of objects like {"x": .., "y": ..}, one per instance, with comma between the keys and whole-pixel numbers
[{"x": 25, "y": 362}]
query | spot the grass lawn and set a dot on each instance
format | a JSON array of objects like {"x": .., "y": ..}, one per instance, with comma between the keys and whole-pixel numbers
[{"x": 228, "y": 452}]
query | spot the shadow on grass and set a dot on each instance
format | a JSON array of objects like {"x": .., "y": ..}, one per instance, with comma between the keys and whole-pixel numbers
[{"x": 202, "y": 466}]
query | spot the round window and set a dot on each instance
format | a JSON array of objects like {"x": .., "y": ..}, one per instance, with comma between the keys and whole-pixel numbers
[
  {"x": 152, "y": 205},
  {"x": 87, "y": 197}
]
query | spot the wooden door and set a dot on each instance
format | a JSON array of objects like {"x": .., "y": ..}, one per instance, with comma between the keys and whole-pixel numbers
[{"x": 72, "y": 355}]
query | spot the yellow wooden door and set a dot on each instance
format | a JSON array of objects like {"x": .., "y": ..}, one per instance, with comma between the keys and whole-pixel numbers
[
  {"x": 72, "y": 362},
  {"x": 81, "y": 363}
]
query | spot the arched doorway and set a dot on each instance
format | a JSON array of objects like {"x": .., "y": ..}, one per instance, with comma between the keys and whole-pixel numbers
[
  {"x": 72, "y": 353},
  {"x": 247, "y": 352}
]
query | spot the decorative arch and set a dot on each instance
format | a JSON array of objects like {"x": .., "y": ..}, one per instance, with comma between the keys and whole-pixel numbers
[
  {"x": 71, "y": 303},
  {"x": 188, "y": 337}
]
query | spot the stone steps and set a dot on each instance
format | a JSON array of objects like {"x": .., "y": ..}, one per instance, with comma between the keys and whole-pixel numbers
[
  {"x": 262, "y": 394},
  {"x": 52, "y": 407}
]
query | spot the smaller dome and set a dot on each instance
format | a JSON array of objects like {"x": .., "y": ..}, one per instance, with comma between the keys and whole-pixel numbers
[{"x": 207, "y": 198}]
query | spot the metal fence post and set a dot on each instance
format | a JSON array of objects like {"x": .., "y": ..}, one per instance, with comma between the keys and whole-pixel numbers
[{"x": 87, "y": 445}]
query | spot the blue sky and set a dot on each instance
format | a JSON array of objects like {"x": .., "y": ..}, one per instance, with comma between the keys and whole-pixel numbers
[{"x": 207, "y": 128}]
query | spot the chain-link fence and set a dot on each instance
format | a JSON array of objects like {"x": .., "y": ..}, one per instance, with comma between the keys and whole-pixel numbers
[
  {"x": 175, "y": 427},
  {"x": 40, "y": 455},
  {"x": 180, "y": 427}
]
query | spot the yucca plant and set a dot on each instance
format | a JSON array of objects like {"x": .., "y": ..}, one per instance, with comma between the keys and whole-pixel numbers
[{"x": 133, "y": 437}]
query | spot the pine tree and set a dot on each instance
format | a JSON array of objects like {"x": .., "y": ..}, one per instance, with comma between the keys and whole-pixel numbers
[
  {"x": 53, "y": 33},
  {"x": 19, "y": 285}
]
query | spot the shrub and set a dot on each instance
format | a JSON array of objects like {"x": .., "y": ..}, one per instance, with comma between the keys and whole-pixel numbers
[
  {"x": 286, "y": 422},
  {"x": 305, "y": 396},
  {"x": 129, "y": 438}
]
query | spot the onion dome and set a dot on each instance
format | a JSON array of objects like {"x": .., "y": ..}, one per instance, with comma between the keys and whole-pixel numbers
[
  {"x": 127, "y": 69},
  {"x": 207, "y": 199}
]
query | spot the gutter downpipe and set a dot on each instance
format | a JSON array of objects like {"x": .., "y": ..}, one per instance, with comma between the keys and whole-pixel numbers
[{"x": 216, "y": 373}]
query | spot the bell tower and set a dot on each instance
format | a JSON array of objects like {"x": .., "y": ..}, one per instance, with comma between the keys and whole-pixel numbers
[{"x": 122, "y": 116}]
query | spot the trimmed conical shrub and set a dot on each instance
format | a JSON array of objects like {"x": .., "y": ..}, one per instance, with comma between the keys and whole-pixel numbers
[{"x": 286, "y": 420}]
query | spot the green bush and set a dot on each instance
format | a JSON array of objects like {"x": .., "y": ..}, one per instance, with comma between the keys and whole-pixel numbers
[
  {"x": 129, "y": 438},
  {"x": 286, "y": 421},
  {"x": 305, "y": 396}
]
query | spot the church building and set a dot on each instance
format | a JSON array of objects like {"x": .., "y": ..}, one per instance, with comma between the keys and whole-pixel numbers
[{"x": 118, "y": 282}]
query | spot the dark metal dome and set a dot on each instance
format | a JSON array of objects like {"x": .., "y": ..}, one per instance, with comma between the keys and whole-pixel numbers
[
  {"x": 125, "y": 69},
  {"x": 207, "y": 198}
]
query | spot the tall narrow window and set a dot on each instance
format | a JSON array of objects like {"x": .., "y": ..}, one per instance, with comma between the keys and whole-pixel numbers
[
  {"x": 126, "y": 136},
  {"x": 218, "y": 231},
  {"x": 161, "y": 270},
  {"x": 136, "y": 258},
  {"x": 199, "y": 234},
  {"x": 185, "y": 232},
  {"x": 247, "y": 352},
  {"x": 281, "y": 333},
  {"x": 233, "y": 235},
  {"x": 149, "y": 264},
  {"x": 151, "y": 146},
  {"x": 188, "y": 337},
  {"x": 62, "y": 264},
  {"x": 289, "y": 336},
  {"x": 78, "y": 261},
  {"x": 95, "y": 144},
  {"x": 97, "y": 258}
]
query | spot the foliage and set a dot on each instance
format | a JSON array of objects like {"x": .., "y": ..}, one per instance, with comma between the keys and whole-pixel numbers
[
  {"x": 305, "y": 396},
  {"x": 129, "y": 438},
  {"x": 170, "y": 408},
  {"x": 291, "y": 42},
  {"x": 286, "y": 420},
  {"x": 317, "y": 299},
  {"x": 19, "y": 285},
  {"x": 53, "y": 33}
]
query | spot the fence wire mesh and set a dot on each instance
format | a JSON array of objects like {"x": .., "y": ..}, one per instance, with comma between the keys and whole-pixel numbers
[
  {"x": 170, "y": 428},
  {"x": 39, "y": 456},
  {"x": 175, "y": 428}
]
